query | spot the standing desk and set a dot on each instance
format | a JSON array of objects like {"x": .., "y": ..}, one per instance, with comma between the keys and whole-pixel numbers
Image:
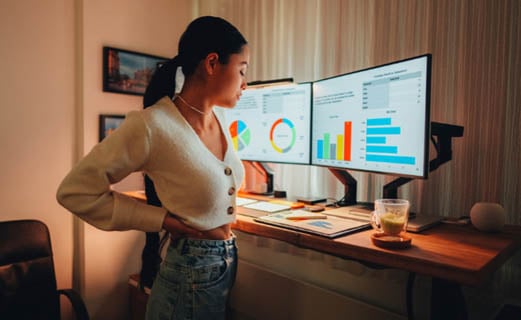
[{"x": 452, "y": 255}]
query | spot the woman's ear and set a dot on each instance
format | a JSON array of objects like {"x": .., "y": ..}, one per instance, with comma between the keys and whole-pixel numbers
[{"x": 210, "y": 63}]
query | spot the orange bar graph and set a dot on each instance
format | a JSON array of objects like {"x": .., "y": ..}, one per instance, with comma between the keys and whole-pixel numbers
[{"x": 347, "y": 140}]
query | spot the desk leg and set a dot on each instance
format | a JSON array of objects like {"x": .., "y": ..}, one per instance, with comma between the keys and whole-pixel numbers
[{"x": 447, "y": 301}]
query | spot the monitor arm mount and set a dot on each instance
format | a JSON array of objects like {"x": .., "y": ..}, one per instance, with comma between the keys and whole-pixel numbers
[
  {"x": 266, "y": 172},
  {"x": 349, "y": 183},
  {"x": 441, "y": 137}
]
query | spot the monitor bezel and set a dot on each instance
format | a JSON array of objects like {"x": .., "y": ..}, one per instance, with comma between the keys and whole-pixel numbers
[{"x": 427, "y": 130}]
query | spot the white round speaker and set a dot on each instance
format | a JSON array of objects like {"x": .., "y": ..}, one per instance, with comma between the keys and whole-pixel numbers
[{"x": 487, "y": 216}]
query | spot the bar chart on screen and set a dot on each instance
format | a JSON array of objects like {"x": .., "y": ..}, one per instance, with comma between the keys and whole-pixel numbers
[
  {"x": 385, "y": 143},
  {"x": 338, "y": 146},
  {"x": 375, "y": 119}
]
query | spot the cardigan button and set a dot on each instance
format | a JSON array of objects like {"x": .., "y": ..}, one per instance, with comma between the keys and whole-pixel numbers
[
  {"x": 228, "y": 171},
  {"x": 230, "y": 210},
  {"x": 231, "y": 191}
]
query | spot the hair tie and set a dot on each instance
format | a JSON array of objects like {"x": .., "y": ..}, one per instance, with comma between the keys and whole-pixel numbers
[{"x": 179, "y": 79}]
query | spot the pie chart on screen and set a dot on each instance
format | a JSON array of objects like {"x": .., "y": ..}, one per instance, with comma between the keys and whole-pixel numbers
[{"x": 240, "y": 135}]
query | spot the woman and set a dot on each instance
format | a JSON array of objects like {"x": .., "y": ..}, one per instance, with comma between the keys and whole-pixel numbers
[{"x": 182, "y": 144}]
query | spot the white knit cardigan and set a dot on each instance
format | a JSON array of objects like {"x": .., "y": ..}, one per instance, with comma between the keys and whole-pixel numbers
[{"x": 189, "y": 180}]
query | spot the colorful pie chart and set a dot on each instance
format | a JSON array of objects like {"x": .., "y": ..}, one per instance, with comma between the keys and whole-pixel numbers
[{"x": 240, "y": 135}]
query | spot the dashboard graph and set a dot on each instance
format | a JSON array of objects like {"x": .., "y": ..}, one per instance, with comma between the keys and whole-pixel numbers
[
  {"x": 272, "y": 124},
  {"x": 374, "y": 120},
  {"x": 241, "y": 135}
]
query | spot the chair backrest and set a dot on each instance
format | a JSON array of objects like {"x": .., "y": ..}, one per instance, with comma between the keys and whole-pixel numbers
[{"x": 27, "y": 278}]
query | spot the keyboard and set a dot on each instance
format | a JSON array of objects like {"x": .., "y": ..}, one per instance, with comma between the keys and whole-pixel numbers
[{"x": 268, "y": 206}]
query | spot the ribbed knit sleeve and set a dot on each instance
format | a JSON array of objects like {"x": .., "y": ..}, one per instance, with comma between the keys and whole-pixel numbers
[{"x": 86, "y": 192}]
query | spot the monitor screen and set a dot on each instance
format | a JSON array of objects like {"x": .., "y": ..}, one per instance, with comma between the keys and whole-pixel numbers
[
  {"x": 375, "y": 119},
  {"x": 272, "y": 123}
]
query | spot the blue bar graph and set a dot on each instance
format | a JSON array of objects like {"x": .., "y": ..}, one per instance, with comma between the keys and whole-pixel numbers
[
  {"x": 379, "y": 122},
  {"x": 376, "y": 140},
  {"x": 390, "y": 159},
  {"x": 320, "y": 149},
  {"x": 384, "y": 130},
  {"x": 382, "y": 149},
  {"x": 379, "y": 131}
]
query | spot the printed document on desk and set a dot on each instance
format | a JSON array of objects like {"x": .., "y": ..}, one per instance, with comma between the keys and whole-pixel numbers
[
  {"x": 244, "y": 201},
  {"x": 352, "y": 213},
  {"x": 268, "y": 207},
  {"x": 331, "y": 227}
]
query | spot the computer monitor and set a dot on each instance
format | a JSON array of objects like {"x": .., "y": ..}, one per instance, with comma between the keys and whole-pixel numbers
[
  {"x": 272, "y": 123},
  {"x": 374, "y": 120}
]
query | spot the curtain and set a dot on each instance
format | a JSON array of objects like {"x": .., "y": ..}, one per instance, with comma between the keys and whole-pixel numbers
[{"x": 475, "y": 46}]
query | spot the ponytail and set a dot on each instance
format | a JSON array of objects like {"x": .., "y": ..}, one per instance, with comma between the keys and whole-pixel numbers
[{"x": 162, "y": 83}]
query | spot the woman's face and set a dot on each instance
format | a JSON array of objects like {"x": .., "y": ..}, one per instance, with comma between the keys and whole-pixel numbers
[{"x": 230, "y": 78}]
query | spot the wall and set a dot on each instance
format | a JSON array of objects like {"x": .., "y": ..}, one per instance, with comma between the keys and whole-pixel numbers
[{"x": 36, "y": 127}]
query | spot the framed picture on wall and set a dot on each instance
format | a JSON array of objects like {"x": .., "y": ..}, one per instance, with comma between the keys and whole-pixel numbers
[
  {"x": 128, "y": 72},
  {"x": 109, "y": 123}
]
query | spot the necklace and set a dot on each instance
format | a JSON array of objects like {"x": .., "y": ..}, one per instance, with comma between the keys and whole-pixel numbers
[{"x": 192, "y": 107}]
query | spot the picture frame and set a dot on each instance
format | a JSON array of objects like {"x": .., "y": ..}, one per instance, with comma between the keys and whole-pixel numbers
[
  {"x": 108, "y": 123},
  {"x": 128, "y": 72}
]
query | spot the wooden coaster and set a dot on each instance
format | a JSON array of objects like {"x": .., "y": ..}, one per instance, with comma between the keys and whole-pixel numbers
[{"x": 391, "y": 242}]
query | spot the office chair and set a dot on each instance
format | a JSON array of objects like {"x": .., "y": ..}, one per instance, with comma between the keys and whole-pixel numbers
[{"x": 28, "y": 287}]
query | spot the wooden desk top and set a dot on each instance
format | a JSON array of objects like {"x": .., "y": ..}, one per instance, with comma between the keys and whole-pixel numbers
[{"x": 457, "y": 253}]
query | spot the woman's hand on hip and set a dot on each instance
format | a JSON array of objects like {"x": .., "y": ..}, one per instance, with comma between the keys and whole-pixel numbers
[{"x": 178, "y": 228}]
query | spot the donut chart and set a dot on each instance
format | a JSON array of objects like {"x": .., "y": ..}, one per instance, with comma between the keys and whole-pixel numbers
[
  {"x": 282, "y": 135},
  {"x": 241, "y": 135}
]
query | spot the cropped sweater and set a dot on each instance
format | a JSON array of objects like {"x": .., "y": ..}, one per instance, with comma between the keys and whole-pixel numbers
[{"x": 189, "y": 180}]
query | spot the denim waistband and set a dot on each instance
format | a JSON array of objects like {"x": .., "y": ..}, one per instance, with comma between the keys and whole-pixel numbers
[{"x": 204, "y": 246}]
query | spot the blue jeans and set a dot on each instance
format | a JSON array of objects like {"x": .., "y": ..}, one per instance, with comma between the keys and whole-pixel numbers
[{"x": 194, "y": 280}]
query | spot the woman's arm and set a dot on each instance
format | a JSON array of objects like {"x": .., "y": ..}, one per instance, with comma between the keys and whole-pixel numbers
[{"x": 86, "y": 191}]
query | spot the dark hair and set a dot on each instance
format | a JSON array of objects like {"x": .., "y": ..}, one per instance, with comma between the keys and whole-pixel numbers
[{"x": 204, "y": 35}]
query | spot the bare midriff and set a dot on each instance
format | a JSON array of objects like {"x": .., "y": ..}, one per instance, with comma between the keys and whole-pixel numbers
[
  {"x": 223, "y": 232},
  {"x": 220, "y": 233}
]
